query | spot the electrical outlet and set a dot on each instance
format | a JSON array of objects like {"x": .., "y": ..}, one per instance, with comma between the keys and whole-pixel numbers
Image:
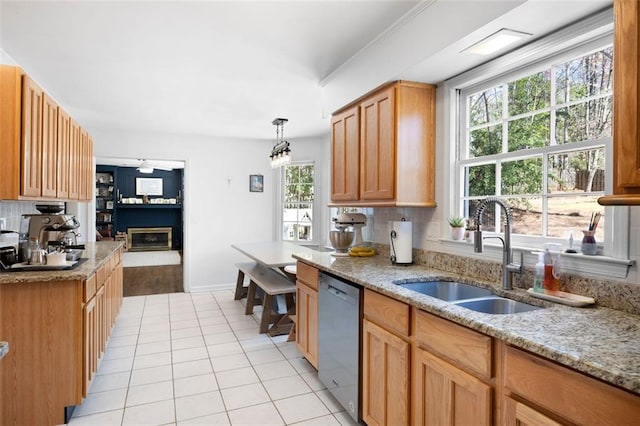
[{"x": 3, "y": 223}]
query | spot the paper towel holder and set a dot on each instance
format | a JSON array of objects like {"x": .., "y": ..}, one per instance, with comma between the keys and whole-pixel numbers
[{"x": 393, "y": 235}]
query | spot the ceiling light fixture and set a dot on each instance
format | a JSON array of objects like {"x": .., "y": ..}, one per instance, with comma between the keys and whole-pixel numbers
[
  {"x": 145, "y": 167},
  {"x": 280, "y": 153},
  {"x": 496, "y": 41}
]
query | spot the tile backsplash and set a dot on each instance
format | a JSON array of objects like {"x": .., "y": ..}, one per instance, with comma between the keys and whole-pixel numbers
[{"x": 12, "y": 211}]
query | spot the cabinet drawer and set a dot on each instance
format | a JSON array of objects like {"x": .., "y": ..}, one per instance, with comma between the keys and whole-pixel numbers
[
  {"x": 307, "y": 274},
  {"x": 387, "y": 312},
  {"x": 466, "y": 348},
  {"x": 567, "y": 393},
  {"x": 89, "y": 288},
  {"x": 101, "y": 275}
]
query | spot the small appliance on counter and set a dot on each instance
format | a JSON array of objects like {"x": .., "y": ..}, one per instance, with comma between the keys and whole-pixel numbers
[
  {"x": 48, "y": 229},
  {"x": 400, "y": 241},
  {"x": 343, "y": 238}
]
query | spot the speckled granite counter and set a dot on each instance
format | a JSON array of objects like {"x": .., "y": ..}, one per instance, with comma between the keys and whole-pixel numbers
[
  {"x": 601, "y": 342},
  {"x": 96, "y": 254}
]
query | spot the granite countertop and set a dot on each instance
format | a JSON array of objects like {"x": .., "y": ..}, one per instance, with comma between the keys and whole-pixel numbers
[
  {"x": 96, "y": 253},
  {"x": 601, "y": 342}
]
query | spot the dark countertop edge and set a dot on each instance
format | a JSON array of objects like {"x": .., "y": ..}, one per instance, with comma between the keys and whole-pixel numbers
[
  {"x": 494, "y": 326},
  {"x": 96, "y": 254}
]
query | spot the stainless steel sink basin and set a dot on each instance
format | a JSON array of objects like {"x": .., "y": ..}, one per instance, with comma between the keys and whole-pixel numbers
[
  {"x": 447, "y": 290},
  {"x": 497, "y": 305}
]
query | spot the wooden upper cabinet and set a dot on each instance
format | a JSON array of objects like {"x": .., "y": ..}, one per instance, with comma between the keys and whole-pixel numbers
[
  {"x": 46, "y": 156},
  {"x": 32, "y": 100},
  {"x": 626, "y": 118},
  {"x": 49, "y": 147},
  {"x": 64, "y": 154},
  {"x": 345, "y": 155},
  {"x": 396, "y": 148},
  {"x": 10, "y": 124},
  {"x": 74, "y": 158},
  {"x": 377, "y": 142}
]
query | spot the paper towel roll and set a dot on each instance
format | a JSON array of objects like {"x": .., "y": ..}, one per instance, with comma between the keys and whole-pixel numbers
[{"x": 400, "y": 242}]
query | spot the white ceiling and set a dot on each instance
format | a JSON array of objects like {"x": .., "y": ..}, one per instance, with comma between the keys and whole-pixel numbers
[{"x": 228, "y": 68}]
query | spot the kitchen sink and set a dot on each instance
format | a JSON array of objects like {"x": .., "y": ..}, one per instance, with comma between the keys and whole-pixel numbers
[
  {"x": 447, "y": 290},
  {"x": 496, "y": 305}
]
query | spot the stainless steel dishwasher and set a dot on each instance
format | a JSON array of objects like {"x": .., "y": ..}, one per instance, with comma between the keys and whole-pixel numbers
[{"x": 339, "y": 335}]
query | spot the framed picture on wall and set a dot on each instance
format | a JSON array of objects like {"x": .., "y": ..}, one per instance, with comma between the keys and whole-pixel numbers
[{"x": 256, "y": 183}]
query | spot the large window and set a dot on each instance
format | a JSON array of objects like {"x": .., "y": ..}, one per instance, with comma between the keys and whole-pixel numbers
[
  {"x": 538, "y": 140},
  {"x": 297, "y": 202}
]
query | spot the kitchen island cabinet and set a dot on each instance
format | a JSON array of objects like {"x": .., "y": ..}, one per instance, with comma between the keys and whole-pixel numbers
[
  {"x": 383, "y": 147},
  {"x": 52, "y": 322}
]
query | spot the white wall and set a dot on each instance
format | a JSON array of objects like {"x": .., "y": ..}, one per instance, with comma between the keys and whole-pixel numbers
[{"x": 218, "y": 208}]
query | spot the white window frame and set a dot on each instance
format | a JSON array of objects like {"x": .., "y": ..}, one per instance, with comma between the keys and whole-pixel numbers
[
  {"x": 280, "y": 205},
  {"x": 584, "y": 36}
]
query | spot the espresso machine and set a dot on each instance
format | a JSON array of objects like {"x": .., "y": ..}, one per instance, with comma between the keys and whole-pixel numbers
[{"x": 49, "y": 230}]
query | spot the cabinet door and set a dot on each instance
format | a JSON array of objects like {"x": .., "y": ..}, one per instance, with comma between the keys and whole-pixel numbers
[
  {"x": 626, "y": 135},
  {"x": 64, "y": 153},
  {"x": 90, "y": 345},
  {"x": 49, "y": 147},
  {"x": 74, "y": 159},
  {"x": 307, "y": 323},
  {"x": 377, "y": 146},
  {"x": 519, "y": 414},
  {"x": 31, "y": 138},
  {"x": 345, "y": 155},
  {"x": 446, "y": 395},
  {"x": 101, "y": 319},
  {"x": 385, "y": 377}
]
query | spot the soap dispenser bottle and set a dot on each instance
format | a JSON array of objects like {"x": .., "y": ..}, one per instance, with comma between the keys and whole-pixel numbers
[{"x": 538, "y": 276}]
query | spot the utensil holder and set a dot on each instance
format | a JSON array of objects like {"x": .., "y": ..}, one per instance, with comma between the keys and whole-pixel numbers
[{"x": 589, "y": 245}]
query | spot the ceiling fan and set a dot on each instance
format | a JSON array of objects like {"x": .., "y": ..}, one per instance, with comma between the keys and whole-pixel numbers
[{"x": 147, "y": 166}]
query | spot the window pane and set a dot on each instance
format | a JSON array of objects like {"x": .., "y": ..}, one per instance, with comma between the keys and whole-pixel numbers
[
  {"x": 485, "y": 141},
  {"x": 572, "y": 215},
  {"x": 583, "y": 77},
  {"x": 480, "y": 180},
  {"x": 577, "y": 171},
  {"x": 306, "y": 174},
  {"x": 527, "y": 215},
  {"x": 487, "y": 221},
  {"x": 291, "y": 174},
  {"x": 529, "y": 132},
  {"x": 306, "y": 192},
  {"x": 522, "y": 177},
  {"x": 588, "y": 120},
  {"x": 530, "y": 93},
  {"x": 290, "y": 193},
  {"x": 485, "y": 107}
]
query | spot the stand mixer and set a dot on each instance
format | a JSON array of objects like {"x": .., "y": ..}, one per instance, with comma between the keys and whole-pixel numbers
[{"x": 342, "y": 222}]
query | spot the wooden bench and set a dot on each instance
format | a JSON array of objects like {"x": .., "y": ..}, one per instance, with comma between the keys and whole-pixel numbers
[
  {"x": 273, "y": 284},
  {"x": 244, "y": 269}
]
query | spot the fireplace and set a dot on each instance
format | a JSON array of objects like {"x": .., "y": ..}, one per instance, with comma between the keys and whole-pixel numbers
[{"x": 146, "y": 239}]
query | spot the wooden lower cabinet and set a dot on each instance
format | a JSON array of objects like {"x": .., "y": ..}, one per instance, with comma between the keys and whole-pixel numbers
[
  {"x": 385, "y": 376},
  {"x": 90, "y": 346},
  {"x": 520, "y": 414},
  {"x": 445, "y": 395},
  {"x": 307, "y": 323}
]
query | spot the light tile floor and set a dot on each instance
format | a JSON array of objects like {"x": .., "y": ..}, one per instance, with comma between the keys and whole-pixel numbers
[{"x": 181, "y": 358}]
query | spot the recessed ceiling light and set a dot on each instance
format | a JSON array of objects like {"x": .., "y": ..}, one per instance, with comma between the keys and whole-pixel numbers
[{"x": 496, "y": 41}]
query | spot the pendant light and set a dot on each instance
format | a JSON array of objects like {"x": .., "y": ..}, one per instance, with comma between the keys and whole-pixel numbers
[{"x": 281, "y": 152}]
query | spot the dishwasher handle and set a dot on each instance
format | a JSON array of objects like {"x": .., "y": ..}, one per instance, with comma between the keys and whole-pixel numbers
[{"x": 341, "y": 294}]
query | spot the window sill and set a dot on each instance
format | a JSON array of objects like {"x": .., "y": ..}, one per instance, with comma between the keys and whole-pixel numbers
[{"x": 572, "y": 263}]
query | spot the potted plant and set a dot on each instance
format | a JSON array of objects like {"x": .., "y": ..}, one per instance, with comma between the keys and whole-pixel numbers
[{"x": 457, "y": 224}]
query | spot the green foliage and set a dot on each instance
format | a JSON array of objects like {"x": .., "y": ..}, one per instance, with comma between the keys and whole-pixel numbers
[{"x": 457, "y": 222}]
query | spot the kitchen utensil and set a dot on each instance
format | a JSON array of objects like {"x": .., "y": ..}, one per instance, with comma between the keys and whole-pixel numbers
[
  {"x": 38, "y": 257},
  {"x": 341, "y": 240},
  {"x": 8, "y": 256}
]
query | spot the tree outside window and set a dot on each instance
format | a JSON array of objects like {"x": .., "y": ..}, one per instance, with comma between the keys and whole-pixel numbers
[
  {"x": 538, "y": 142},
  {"x": 297, "y": 211}
]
